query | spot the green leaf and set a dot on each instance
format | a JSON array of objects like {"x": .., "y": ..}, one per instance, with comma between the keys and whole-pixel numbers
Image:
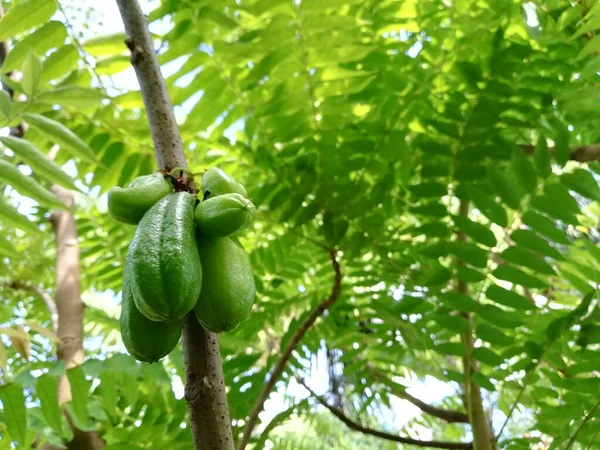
[
  {"x": 60, "y": 134},
  {"x": 455, "y": 323},
  {"x": 541, "y": 158},
  {"x": 5, "y": 104},
  {"x": 72, "y": 96},
  {"x": 51, "y": 35},
  {"x": 32, "y": 70},
  {"x": 545, "y": 226},
  {"x": 27, "y": 186},
  {"x": 6, "y": 248},
  {"x": 499, "y": 317},
  {"x": 469, "y": 253},
  {"x": 476, "y": 231},
  {"x": 469, "y": 275},
  {"x": 507, "y": 185},
  {"x": 10, "y": 215},
  {"x": 592, "y": 46},
  {"x": 80, "y": 390},
  {"x": 459, "y": 302},
  {"x": 108, "y": 45},
  {"x": 517, "y": 255},
  {"x": 509, "y": 298},
  {"x": 532, "y": 241},
  {"x": 514, "y": 275},
  {"x": 488, "y": 207},
  {"x": 524, "y": 170},
  {"x": 35, "y": 159},
  {"x": 13, "y": 402},
  {"x": 582, "y": 182},
  {"x": 493, "y": 335},
  {"x": 451, "y": 348},
  {"x": 47, "y": 391},
  {"x": 24, "y": 16},
  {"x": 487, "y": 356},
  {"x": 483, "y": 381},
  {"x": 60, "y": 63},
  {"x": 562, "y": 152}
]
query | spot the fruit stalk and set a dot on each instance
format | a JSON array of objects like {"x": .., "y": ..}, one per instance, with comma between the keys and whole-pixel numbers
[{"x": 205, "y": 387}]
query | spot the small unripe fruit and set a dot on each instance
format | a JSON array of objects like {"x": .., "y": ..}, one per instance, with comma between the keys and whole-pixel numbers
[
  {"x": 216, "y": 182},
  {"x": 224, "y": 215},
  {"x": 129, "y": 204}
]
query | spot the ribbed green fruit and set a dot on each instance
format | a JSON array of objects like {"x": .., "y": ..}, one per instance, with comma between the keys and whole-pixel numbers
[
  {"x": 166, "y": 274},
  {"x": 223, "y": 215},
  {"x": 228, "y": 288},
  {"x": 145, "y": 340},
  {"x": 129, "y": 204},
  {"x": 216, "y": 182}
]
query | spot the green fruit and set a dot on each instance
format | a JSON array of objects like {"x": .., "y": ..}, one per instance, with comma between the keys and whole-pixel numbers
[
  {"x": 166, "y": 275},
  {"x": 216, "y": 182},
  {"x": 223, "y": 215},
  {"x": 228, "y": 288},
  {"x": 131, "y": 203},
  {"x": 145, "y": 340}
]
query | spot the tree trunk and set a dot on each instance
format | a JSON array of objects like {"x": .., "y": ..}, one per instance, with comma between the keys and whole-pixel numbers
[{"x": 70, "y": 309}]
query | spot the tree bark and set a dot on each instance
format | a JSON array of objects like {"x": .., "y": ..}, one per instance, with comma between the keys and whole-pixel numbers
[
  {"x": 205, "y": 392},
  {"x": 70, "y": 310}
]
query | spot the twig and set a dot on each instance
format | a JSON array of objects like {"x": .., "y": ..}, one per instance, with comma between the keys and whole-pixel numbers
[
  {"x": 585, "y": 420},
  {"x": 47, "y": 298},
  {"x": 205, "y": 387},
  {"x": 337, "y": 412},
  {"x": 448, "y": 415},
  {"x": 287, "y": 353}
]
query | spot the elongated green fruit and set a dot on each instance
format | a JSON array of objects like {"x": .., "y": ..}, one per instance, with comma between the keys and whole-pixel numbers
[
  {"x": 145, "y": 340},
  {"x": 129, "y": 204},
  {"x": 217, "y": 182},
  {"x": 223, "y": 215},
  {"x": 228, "y": 288},
  {"x": 35, "y": 159},
  {"x": 27, "y": 186},
  {"x": 166, "y": 275}
]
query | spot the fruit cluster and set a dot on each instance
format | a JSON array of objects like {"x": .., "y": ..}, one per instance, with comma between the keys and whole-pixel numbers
[{"x": 184, "y": 256}]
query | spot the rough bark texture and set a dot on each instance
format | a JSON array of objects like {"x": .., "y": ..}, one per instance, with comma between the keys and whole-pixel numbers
[
  {"x": 205, "y": 386},
  {"x": 165, "y": 132},
  {"x": 337, "y": 412},
  {"x": 287, "y": 352},
  {"x": 482, "y": 434}
]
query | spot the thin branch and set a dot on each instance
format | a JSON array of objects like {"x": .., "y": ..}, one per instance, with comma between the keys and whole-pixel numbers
[
  {"x": 205, "y": 392},
  {"x": 337, "y": 412},
  {"x": 287, "y": 353},
  {"x": 583, "y": 153},
  {"x": 448, "y": 415},
  {"x": 47, "y": 298},
  {"x": 585, "y": 420}
]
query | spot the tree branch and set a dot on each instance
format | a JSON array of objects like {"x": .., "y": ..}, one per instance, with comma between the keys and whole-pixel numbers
[
  {"x": 47, "y": 298},
  {"x": 448, "y": 415},
  {"x": 287, "y": 353},
  {"x": 168, "y": 146},
  {"x": 205, "y": 386},
  {"x": 337, "y": 412},
  {"x": 583, "y": 153}
]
